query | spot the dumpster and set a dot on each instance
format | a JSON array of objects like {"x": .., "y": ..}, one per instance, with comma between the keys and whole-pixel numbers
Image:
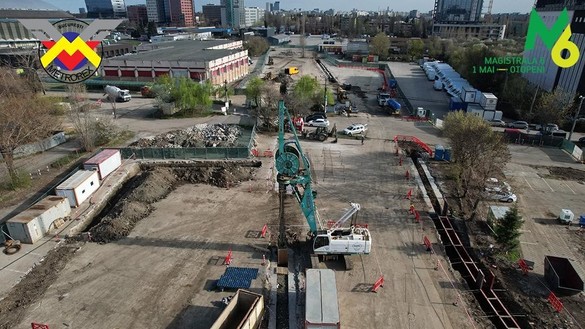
[{"x": 561, "y": 275}]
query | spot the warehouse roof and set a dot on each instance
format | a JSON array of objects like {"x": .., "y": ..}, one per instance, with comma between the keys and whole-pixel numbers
[{"x": 183, "y": 50}]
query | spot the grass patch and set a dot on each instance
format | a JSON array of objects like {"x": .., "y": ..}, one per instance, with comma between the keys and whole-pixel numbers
[
  {"x": 22, "y": 180},
  {"x": 66, "y": 160},
  {"x": 120, "y": 139},
  {"x": 511, "y": 256}
]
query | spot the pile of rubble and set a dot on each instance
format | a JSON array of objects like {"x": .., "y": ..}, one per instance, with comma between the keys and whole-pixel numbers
[{"x": 201, "y": 135}]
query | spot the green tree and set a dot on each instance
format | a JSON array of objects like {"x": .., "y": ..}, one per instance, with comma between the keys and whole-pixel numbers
[
  {"x": 478, "y": 154},
  {"x": 507, "y": 230},
  {"x": 552, "y": 107},
  {"x": 256, "y": 46},
  {"x": 416, "y": 48},
  {"x": 151, "y": 29},
  {"x": 189, "y": 96},
  {"x": 254, "y": 91},
  {"x": 379, "y": 45}
]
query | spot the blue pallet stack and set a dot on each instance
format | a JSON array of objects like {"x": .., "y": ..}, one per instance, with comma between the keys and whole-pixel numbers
[{"x": 237, "y": 278}]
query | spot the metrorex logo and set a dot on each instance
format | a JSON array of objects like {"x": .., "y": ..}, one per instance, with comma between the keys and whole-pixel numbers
[
  {"x": 68, "y": 49},
  {"x": 556, "y": 38}
]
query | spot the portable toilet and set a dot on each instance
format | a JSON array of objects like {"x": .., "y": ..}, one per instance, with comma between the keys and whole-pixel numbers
[
  {"x": 566, "y": 216},
  {"x": 447, "y": 154},
  {"x": 582, "y": 220},
  {"x": 439, "y": 152}
]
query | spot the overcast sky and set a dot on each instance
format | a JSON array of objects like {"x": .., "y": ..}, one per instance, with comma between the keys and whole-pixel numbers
[{"x": 500, "y": 6}]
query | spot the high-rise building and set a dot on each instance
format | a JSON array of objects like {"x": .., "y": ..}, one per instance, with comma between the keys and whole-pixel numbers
[
  {"x": 82, "y": 10},
  {"x": 268, "y": 5},
  {"x": 105, "y": 8},
  {"x": 233, "y": 14},
  {"x": 458, "y": 10},
  {"x": 212, "y": 14},
  {"x": 137, "y": 15},
  {"x": 253, "y": 15},
  {"x": 153, "y": 11},
  {"x": 571, "y": 79},
  {"x": 276, "y": 6},
  {"x": 181, "y": 12}
]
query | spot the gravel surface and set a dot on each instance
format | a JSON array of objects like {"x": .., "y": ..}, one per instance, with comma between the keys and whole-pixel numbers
[{"x": 201, "y": 135}]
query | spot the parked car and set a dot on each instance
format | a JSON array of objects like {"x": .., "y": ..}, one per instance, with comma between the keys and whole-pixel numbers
[
  {"x": 518, "y": 124},
  {"x": 314, "y": 116},
  {"x": 355, "y": 129},
  {"x": 318, "y": 123},
  {"x": 503, "y": 197},
  {"x": 497, "y": 123}
]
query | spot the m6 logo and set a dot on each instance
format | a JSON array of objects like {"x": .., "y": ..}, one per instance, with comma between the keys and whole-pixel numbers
[{"x": 556, "y": 38}]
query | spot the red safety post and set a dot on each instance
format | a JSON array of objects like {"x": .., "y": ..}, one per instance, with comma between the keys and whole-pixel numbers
[
  {"x": 427, "y": 243},
  {"x": 228, "y": 258},
  {"x": 409, "y": 194},
  {"x": 264, "y": 229},
  {"x": 416, "y": 216},
  {"x": 407, "y": 175},
  {"x": 379, "y": 283},
  {"x": 555, "y": 302},
  {"x": 523, "y": 266},
  {"x": 39, "y": 326}
]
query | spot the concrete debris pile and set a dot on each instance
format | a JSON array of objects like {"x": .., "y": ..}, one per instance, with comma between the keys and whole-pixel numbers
[{"x": 201, "y": 135}]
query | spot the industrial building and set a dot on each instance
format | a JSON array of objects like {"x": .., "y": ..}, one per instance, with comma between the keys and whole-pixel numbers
[
  {"x": 467, "y": 31},
  {"x": 570, "y": 79},
  {"x": 279, "y": 39},
  {"x": 105, "y": 8},
  {"x": 213, "y": 60}
]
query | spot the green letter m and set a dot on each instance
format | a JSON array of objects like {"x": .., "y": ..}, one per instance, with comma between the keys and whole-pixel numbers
[{"x": 537, "y": 27}]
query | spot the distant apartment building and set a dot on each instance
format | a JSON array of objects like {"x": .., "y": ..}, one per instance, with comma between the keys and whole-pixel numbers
[
  {"x": 571, "y": 79},
  {"x": 467, "y": 31},
  {"x": 232, "y": 15},
  {"x": 458, "y": 10},
  {"x": 105, "y": 8},
  {"x": 171, "y": 12},
  {"x": 276, "y": 6},
  {"x": 137, "y": 15},
  {"x": 253, "y": 15},
  {"x": 212, "y": 14},
  {"x": 516, "y": 23},
  {"x": 181, "y": 12}
]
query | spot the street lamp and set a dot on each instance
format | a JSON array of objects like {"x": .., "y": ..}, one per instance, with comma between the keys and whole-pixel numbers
[
  {"x": 225, "y": 88},
  {"x": 576, "y": 116}
]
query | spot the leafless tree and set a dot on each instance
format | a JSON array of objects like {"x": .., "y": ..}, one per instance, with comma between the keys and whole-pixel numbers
[
  {"x": 478, "y": 154},
  {"x": 81, "y": 116},
  {"x": 27, "y": 61},
  {"x": 24, "y": 117}
]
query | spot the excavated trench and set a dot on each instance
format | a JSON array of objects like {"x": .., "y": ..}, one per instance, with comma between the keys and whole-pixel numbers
[
  {"x": 155, "y": 181},
  {"x": 493, "y": 308}
]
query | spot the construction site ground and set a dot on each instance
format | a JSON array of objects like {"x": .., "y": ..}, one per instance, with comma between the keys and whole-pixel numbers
[{"x": 161, "y": 274}]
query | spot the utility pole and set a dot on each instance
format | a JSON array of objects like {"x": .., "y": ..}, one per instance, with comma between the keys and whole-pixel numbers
[
  {"x": 325, "y": 97},
  {"x": 303, "y": 35},
  {"x": 575, "y": 118},
  {"x": 534, "y": 99}
]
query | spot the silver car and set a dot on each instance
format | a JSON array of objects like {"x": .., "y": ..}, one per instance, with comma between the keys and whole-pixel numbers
[{"x": 518, "y": 124}]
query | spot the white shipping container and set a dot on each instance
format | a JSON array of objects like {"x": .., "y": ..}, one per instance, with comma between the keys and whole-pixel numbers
[
  {"x": 488, "y": 101},
  {"x": 489, "y": 115},
  {"x": 498, "y": 115},
  {"x": 475, "y": 109},
  {"x": 79, "y": 187},
  {"x": 25, "y": 229},
  {"x": 33, "y": 223},
  {"x": 104, "y": 162},
  {"x": 468, "y": 94}
]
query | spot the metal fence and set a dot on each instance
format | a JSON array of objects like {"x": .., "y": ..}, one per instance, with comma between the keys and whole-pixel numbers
[
  {"x": 242, "y": 150},
  {"x": 533, "y": 140}
]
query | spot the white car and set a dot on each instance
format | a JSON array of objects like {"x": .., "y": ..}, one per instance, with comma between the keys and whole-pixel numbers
[
  {"x": 355, "y": 129},
  {"x": 503, "y": 197},
  {"x": 318, "y": 123}
]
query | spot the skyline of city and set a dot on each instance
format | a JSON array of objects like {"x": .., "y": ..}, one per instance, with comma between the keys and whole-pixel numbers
[{"x": 522, "y": 6}]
